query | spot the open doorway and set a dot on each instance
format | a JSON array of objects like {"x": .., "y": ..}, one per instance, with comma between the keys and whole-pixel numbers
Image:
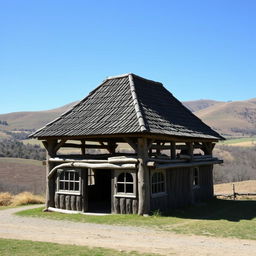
[{"x": 99, "y": 191}]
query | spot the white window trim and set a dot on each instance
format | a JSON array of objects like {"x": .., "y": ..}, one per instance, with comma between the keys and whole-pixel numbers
[
  {"x": 68, "y": 192},
  {"x": 198, "y": 177},
  {"x": 128, "y": 195},
  {"x": 162, "y": 193}
]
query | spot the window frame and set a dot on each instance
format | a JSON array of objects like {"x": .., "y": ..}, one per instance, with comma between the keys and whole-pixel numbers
[
  {"x": 196, "y": 177},
  {"x": 122, "y": 194},
  {"x": 64, "y": 191},
  {"x": 161, "y": 193}
]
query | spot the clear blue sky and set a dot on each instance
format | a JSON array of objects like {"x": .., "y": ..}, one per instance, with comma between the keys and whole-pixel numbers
[{"x": 56, "y": 52}]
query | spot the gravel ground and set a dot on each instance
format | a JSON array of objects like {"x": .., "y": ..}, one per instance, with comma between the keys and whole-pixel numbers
[{"x": 118, "y": 237}]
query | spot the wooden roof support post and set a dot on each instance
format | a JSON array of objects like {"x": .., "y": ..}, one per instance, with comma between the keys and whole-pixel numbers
[
  {"x": 208, "y": 147},
  {"x": 50, "y": 146},
  {"x": 190, "y": 150},
  {"x": 132, "y": 143},
  {"x": 112, "y": 147},
  {"x": 143, "y": 177},
  {"x": 83, "y": 147},
  {"x": 173, "y": 150}
]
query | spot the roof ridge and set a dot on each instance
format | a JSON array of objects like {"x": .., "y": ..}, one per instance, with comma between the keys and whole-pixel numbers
[
  {"x": 118, "y": 76},
  {"x": 132, "y": 74},
  {"x": 136, "y": 104}
]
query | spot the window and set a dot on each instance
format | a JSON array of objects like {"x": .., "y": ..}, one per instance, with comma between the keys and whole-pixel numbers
[
  {"x": 125, "y": 183},
  {"x": 158, "y": 183},
  {"x": 69, "y": 181},
  {"x": 196, "y": 177}
]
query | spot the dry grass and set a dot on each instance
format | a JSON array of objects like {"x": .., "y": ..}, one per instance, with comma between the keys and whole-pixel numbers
[
  {"x": 248, "y": 186},
  {"x": 18, "y": 175},
  {"x": 24, "y": 198},
  {"x": 5, "y": 199}
]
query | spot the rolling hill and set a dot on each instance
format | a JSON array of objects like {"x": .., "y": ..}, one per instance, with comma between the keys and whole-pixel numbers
[
  {"x": 236, "y": 118},
  {"x": 33, "y": 119},
  {"x": 197, "y": 105},
  {"x": 231, "y": 119},
  {"x": 17, "y": 175}
]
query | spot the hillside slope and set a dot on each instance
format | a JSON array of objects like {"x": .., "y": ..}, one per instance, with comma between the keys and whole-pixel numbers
[
  {"x": 32, "y": 120},
  {"x": 17, "y": 175},
  {"x": 236, "y": 118},
  {"x": 197, "y": 105}
]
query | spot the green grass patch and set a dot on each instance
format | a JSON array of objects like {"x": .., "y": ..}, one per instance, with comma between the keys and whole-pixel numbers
[
  {"x": 238, "y": 140},
  {"x": 10, "y": 247},
  {"x": 113, "y": 219},
  {"x": 220, "y": 218}
]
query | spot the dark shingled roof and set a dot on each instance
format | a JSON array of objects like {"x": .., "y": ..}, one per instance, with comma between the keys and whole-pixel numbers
[{"x": 128, "y": 104}]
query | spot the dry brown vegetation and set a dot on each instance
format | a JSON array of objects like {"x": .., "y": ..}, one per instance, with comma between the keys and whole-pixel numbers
[
  {"x": 18, "y": 175},
  {"x": 24, "y": 198},
  {"x": 248, "y": 186},
  {"x": 239, "y": 164}
]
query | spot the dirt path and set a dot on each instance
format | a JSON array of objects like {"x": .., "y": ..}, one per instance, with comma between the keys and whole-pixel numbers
[{"x": 118, "y": 237}]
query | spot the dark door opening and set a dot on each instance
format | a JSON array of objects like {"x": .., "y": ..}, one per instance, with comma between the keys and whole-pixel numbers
[{"x": 99, "y": 191}]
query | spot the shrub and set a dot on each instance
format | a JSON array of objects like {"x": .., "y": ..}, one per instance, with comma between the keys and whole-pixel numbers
[
  {"x": 23, "y": 198},
  {"x": 26, "y": 198},
  {"x": 5, "y": 199}
]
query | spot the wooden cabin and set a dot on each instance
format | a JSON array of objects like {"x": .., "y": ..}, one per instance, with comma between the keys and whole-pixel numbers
[{"x": 129, "y": 147}]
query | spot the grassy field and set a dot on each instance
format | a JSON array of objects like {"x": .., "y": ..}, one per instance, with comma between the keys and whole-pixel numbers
[
  {"x": 17, "y": 175},
  {"x": 248, "y": 186},
  {"x": 10, "y": 247},
  {"x": 220, "y": 218},
  {"x": 20, "y": 161},
  {"x": 240, "y": 142}
]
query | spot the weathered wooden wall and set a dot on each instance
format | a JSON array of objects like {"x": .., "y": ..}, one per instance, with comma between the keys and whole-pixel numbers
[
  {"x": 179, "y": 189},
  {"x": 69, "y": 202},
  {"x": 125, "y": 205},
  {"x": 205, "y": 190}
]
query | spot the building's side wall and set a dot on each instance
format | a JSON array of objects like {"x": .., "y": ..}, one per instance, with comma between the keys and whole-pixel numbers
[
  {"x": 180, "y": 191},
  {"x": 205, "y": 190}
]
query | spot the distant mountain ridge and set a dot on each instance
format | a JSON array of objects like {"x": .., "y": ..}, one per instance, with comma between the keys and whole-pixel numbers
[
  {"x": 231, "y": 119},
  {"x": 197, "y": 105},
  {"x": 33, "y": 119}
]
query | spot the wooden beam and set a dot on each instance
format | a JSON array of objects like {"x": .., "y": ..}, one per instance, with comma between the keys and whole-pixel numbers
[
  {"x": 50, "y": 183},
  {"x": 83, "y": 147},
  {"x": 182, "y": 147},
  {"x": 133, "y": 144},
  {"x": 190, "y": 150},
  {"x": 91, "y": 165},
  {"x": 173, "y": 150},
  {"x": 116, "y": 160},
  {"x": 187, "y": 164},
  {"x": 60, "y": 144},
  {"x": 133, "y": 135},
  {"x": 143, "y": 177},
  {"x": 112, "y": 147},
  {"x": 73, "y": 145},
  {"x": 208, "y": 147},
  {"x": 158, "y": 148}
]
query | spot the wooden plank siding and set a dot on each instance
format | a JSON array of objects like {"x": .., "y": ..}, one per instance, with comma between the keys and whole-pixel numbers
[
  {"x": 205, "y": 190},
  {"x": 178, "y": 188}
]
